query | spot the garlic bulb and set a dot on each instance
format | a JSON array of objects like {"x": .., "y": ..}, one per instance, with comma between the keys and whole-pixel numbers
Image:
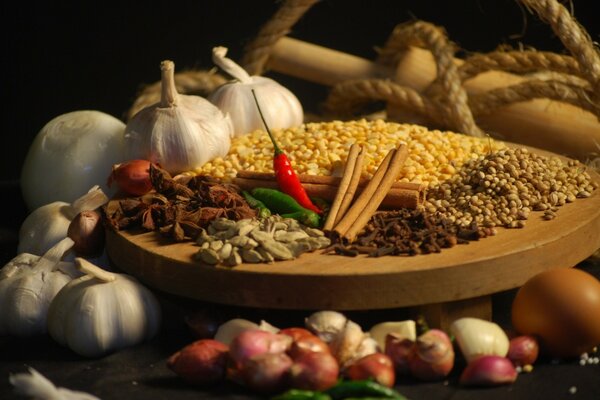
[
  {"x": 228, "y": 330},
  {"x": 281, "y": 108},
  {"x": 71, "y": 153},
  {"x": 102, "y": 311},
  {"x": 49, "y": 224},
  {"x": 28, "y": 283},
  {"x": 180, "y": 132},
  {"x": 477, "y": 337}
]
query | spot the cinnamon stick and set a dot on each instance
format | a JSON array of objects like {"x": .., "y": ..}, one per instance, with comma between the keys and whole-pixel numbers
[
  {"x": 345, "y": 185},
  {"x": 365, "y": 196},
  {"x": 401, "y": 195},
  {"x": 352, "y": 188},
  {"x": 365, "y": 211}
]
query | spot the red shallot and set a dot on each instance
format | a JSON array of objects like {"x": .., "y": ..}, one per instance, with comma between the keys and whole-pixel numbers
[
  {"x": 87, "y": 232},
  {"x": 488, "y": 370},
  {"x": 376, "y": 366},
  {"x": 314, "y": 371},
  {"x": 266, "y": 373},
  {"x": 398, "y": 348},
  {"x": 203, "y": 362},
  {"x": 432, "y": 357},
  {"x": 254, "y": 342},
  {"x": 132, "y": 177},
  {"x": 523, "y": 350}
]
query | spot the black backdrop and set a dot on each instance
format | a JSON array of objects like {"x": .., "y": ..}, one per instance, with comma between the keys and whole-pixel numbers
[{"x": 61, "y": 56}]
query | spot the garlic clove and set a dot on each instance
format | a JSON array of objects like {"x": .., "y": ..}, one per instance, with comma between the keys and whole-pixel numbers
[
  {"x": 477, "y": 337},
  {"x": 326, "y": 324},
  {"x": 406, "y": 329}
]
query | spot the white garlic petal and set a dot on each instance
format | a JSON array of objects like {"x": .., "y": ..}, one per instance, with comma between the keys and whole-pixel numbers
[
  {"x": 228, "y": 330},
  {"x": 407, "y": 329},
  {"x": 326, "y": 324},
  {"x": 70, "y": 154},
  {"x": 477, "y": 337}
]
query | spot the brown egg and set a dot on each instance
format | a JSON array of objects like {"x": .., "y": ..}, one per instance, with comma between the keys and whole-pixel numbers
[{"x": 562, "y": 307}]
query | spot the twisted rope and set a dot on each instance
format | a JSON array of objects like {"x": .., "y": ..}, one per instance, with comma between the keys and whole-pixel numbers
[{"x": 257, "y": 52}]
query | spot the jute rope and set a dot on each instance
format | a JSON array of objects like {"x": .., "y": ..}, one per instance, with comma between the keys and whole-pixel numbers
[
  {"x": 572, "y": 79},
  {"x": 258, "y": 51}
]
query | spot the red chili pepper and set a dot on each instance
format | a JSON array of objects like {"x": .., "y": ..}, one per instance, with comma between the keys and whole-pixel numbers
[{"x": 287, "y": 179}]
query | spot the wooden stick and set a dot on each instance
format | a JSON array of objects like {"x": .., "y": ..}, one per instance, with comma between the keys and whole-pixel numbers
[
  {"x": 350, "y": 193},
  {"x": 367, "y": 210},
  {"x": 551, "y": 125},
  {"x": 401, "y": 195},
  {"x": 365, "y": 196},
  {"x": 349, "y": 168},
  {"x": 321, "y": 180}
]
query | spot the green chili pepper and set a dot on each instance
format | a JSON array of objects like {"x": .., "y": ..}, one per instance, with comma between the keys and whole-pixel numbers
[
  {"x": 297, "y": 394},
  {"x": 361, "y": 389},
  {"x": 263, "y": 211},
  {"x": 285, "y": 205}
]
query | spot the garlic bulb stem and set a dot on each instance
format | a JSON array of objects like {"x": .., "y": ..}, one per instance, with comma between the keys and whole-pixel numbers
[
  {"x": 90, "y": 269},
  {"x": 168, "y": 97},
  {"x": 229, "y": 66},
  {"x": 49, "y": 261}
]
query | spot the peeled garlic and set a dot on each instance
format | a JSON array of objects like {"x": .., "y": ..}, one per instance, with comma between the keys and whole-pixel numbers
[
  {"x": 49, "y": 224},
  {"x": 181, "y": 132},
  {"x": 406, "y": 329},
  {"x": 28, "y": 284},
  {"x": 102, "y": 312},
  {"x": 477, "y": 337},
  {"x": 280, "y": 107},
  {"x": 70, "y": 154}
]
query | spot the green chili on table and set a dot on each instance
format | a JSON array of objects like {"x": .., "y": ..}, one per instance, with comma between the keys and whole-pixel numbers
[
  {"x": 362, "y": 389},
  {"x": 286, "y": 177}
]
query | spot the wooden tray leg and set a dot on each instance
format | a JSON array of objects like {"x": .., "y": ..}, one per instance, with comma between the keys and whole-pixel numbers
[{"x": 441, "y": 315}]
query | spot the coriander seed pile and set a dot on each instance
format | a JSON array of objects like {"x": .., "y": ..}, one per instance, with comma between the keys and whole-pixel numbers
[{"x": 502, "y": 188}]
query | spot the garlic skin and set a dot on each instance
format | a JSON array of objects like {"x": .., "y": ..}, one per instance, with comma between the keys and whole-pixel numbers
[
  {"x": 102, "y": 312},
  {"x": 28, "y": 284},
  {"x": 70, "y": 154},
  {"x": 477, "y": 337},
  {"x": 49, "y": 224},
  {"x": 280, "y": 107},
  {"x": 36, "y": 386},
  {"x": 181, "y": 132}
]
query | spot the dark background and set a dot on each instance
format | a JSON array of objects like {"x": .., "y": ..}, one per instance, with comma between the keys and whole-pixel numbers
[{"x": 62, "y": 56}]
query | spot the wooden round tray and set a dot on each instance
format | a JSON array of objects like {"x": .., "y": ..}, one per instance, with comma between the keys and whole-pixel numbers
[{"x": 317, "y": 281}]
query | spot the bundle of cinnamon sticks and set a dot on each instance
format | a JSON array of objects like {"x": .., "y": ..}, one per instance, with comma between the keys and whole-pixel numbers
[{"x": 354, "y": 199}]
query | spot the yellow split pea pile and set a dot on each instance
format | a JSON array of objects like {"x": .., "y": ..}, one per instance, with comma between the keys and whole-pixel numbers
[{"x": 470, "y": 180}]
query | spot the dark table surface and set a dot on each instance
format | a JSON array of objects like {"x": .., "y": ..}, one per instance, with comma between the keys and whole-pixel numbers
[{"x": 140, "y": 372}]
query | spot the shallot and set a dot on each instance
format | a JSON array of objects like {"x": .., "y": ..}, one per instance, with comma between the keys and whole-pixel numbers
[
  {"x": 314, "y": 371},
  {"x": 132, "y": 177},
  {"x": 432, "y": 357},
  {"x": 488, "y": 370},
  {"x": 255, "y": 342},
  {"x": 398, "y": 348},
  {"x": 523, "y": 350},
  {"x": 202, "y": 362},
  {"x": 87, "y": 232},
  {"x": 308, "y": 344},
  {"x": 376, "y": 366},
  {"x": 266, "y": 373}
]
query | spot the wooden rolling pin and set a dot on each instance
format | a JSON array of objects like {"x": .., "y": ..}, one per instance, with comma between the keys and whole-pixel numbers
[{"x": 555, "y": 126}]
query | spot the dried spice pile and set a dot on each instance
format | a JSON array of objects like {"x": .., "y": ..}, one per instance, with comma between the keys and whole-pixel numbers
[
  {"x": 179, "y": 208},
  {"x": 408, "y": 232}
]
